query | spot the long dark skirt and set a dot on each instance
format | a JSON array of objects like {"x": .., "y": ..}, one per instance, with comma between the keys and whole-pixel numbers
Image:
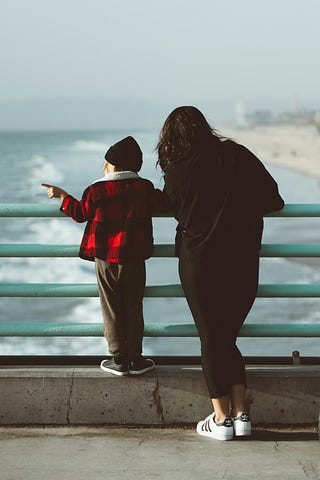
[{"x": 220, "y": 292}]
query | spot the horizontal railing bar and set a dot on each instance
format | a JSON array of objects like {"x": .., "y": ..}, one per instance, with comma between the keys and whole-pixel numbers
[
  {"x": 298, "y": 210},
  {"x": 290, "y": 250},
  {"x": 61, "y": 329},
  {"x": 30, "y": 210},
  {"x": 46, "y": 210},
  {"x": 70, "y": 250},
  {"x": 39, "y": 210},
  {"x": 38, "y": 250},
  {"x": 160, "y": 250},
  {"x": 160, "y": 291}
]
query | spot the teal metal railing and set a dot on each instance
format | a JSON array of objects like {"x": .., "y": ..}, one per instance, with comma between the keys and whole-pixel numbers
[{"x": 165, "y": 250}]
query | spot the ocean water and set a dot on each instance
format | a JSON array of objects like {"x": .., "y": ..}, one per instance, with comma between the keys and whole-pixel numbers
[{"x": 73, "y": 160}]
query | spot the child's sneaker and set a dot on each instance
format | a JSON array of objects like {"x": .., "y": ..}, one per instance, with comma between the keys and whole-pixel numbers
[
  {"x": 111, "y": 366},
  {"x": 220, "y": 431},
  {"x": 141, "y": 365},
  {"x": 242, "y": 425}
]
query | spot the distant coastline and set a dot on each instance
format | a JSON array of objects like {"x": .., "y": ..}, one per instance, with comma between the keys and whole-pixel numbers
[
  {"x": 290, "y": 140},
  {"x": 290, "y": 146}
]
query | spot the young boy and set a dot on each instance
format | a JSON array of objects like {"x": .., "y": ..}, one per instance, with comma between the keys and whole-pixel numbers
[{"x": 118, "y": 238}]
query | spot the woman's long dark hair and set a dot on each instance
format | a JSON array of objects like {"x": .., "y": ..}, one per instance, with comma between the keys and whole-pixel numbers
[{"x": 183, "y": 132}]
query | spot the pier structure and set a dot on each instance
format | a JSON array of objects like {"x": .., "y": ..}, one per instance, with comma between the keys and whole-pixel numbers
[{"x": 73, "y": 391}]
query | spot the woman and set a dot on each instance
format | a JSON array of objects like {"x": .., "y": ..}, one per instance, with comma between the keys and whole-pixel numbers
[{"x": 219, "y": 192}]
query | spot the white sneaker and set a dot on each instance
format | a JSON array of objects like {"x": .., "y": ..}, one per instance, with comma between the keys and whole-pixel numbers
[
  {"x": 242, "y": 425},
  {"x": 220, "y": 431}
]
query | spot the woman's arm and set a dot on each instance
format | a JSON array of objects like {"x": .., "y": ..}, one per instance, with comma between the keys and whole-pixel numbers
[
  {"x": 263, "y": 193},
  {"x": 160, "y": 202}
]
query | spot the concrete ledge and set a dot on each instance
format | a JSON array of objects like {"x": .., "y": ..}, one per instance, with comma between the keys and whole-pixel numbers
[{"x": 168, "y": 395}]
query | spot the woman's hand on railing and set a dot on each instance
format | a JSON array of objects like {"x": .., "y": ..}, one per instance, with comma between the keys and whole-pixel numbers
[{"x": 54, "y": 191}]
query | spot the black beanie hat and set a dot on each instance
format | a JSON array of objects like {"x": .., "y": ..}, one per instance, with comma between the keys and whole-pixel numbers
[{"x": 125, "y": 154}]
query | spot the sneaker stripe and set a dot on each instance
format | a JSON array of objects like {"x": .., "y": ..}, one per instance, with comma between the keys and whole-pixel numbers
[{"x": 208, "y": 429}]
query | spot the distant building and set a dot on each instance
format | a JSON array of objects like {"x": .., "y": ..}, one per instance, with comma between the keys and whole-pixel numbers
[{"x": 240, "y": 114}]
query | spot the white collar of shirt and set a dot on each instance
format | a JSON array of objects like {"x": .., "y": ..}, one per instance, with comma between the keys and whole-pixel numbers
[{"x": 117, "y": 176}]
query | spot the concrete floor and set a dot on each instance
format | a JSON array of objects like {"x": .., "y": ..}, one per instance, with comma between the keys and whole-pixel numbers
[{"x": 85, "y": 453}]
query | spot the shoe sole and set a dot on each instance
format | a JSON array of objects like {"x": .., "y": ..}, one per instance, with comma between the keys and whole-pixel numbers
[
  {"x": 140, "y": 372},
  {"x": 222, "y": 437},
  {"x": 242, "y": 430},
  {"x": 114, "y": 372}
]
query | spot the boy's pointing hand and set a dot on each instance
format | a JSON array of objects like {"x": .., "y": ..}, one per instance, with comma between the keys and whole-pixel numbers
[{"x": 55, "y": 191}]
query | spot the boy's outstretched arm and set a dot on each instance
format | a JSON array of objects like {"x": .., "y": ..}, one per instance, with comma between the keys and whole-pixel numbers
[
  {"x": 54, "y": 191},
  {"x": 79, "y": 210}
]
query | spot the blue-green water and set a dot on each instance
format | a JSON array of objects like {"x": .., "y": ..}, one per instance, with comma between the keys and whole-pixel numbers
[{"x": 73, "y": 160}]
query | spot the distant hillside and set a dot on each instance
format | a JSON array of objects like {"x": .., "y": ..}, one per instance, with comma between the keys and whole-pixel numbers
[{"x": 79, "y": 113}]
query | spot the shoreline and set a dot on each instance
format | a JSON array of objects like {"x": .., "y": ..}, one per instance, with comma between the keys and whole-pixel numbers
[{"x": 288, "y": 146}]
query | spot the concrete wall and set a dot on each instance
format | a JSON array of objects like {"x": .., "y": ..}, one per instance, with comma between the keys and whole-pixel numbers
[{"x": 167, "y": 395}]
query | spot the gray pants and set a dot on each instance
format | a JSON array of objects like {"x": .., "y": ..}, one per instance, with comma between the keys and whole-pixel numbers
[{"x": 121, "y": 290}]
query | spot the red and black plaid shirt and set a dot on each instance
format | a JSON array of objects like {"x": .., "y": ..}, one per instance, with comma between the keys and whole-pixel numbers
[{"x": 118, "y": 213}]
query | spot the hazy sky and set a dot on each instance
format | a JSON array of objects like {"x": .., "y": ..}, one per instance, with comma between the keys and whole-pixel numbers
[{"x": 163, "y": 50}]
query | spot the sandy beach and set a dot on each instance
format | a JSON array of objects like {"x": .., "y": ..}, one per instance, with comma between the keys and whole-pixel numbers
[{"x": 294, "y": 147}]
